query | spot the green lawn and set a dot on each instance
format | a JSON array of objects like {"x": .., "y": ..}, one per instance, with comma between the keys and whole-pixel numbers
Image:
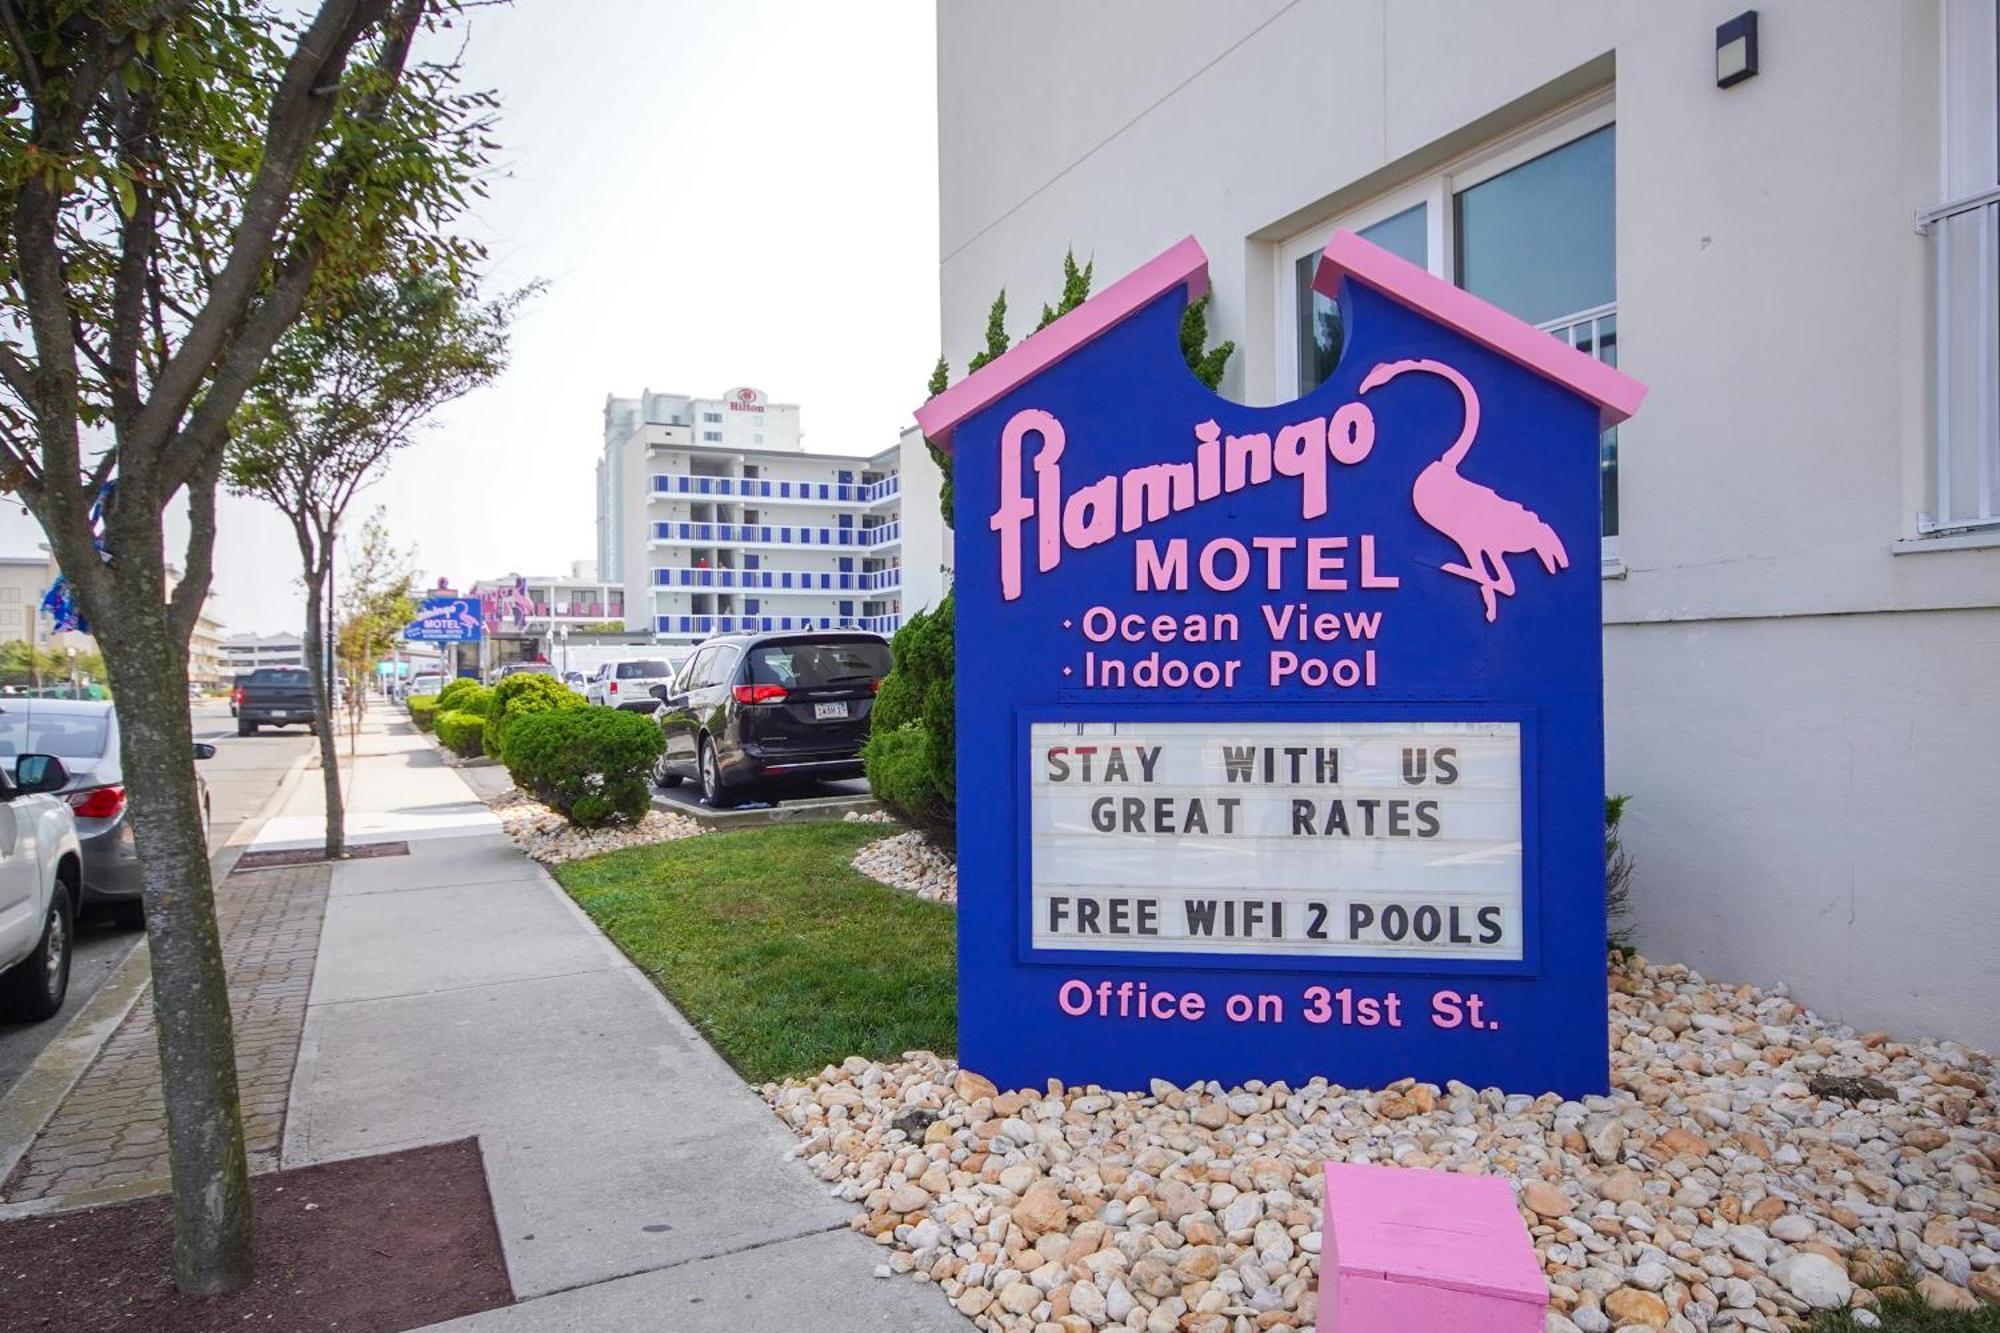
[
  {"x": 785, "y": 957},
  {"x": 1912, "y": 1316}
]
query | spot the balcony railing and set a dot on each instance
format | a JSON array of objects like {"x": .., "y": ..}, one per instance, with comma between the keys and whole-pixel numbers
[
  {"x": 764, "y": 488},
  {"x": 766, "y": 534},
  {"x": 780, "y": 580},
  {"x": 702, "y": 626}
]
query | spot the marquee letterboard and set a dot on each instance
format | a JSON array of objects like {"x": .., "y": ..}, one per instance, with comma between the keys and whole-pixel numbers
[{"x": 1279, "y": 728}]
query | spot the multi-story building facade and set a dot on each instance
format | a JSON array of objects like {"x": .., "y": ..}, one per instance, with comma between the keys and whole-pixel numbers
[
  {"x": 1801, "y": 529},
  {"x": 542, "y": 602},
  {"x": 714, "y": 518},
  {"x": 205, "y": 650},
  {"x": 240, "y": 653},
  {"x": 23, "y": 580}
]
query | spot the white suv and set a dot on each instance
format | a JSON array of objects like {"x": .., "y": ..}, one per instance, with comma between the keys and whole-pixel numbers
[
  {"x": 41, "y": 885},
  {"x": 628, "y": 685}
]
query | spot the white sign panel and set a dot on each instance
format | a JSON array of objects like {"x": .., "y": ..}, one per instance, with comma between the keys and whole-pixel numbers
[{"x": 1309, "y": 839}]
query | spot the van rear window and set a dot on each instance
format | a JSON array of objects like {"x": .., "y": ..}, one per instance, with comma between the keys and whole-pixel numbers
[
  {"x": 646, "y": 669},
  {"x": 808, "y": 665}
]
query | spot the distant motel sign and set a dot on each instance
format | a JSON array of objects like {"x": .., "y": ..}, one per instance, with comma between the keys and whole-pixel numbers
[
  {"x": 445, "y": 620},
  {"x": 1280, "y": 728}
]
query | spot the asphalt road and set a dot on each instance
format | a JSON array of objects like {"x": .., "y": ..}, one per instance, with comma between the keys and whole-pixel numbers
[{"x": 241, "y": 777}]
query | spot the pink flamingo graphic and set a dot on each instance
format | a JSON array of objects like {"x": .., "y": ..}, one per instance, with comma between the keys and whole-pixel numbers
[{"x": 1487, "y": 526}]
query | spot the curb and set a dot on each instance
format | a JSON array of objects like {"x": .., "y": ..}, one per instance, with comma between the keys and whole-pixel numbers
[
  {"x": 38, "y": 1094},
  {"x": 815, "y": 809}
]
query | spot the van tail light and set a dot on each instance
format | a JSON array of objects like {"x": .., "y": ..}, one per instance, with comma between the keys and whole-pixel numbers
[
  {"x": 875, "y": 685},
  {"x": 611, "y": 686},
  {"x": 97, "y": 802},
  {"x": 760, "y": 694}
]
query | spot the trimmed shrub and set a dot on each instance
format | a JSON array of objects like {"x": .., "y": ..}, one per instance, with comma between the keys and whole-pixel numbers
[
  {"x": 520, "y": 695},
  {"x": 900, "y": 764},
  {"x": 424, "y": 710},
  {"x": 455, "y": 690},
  {"x": 594, "y": 765},
  {"x": 912, "y": 751},
  {"x": 478, "y": 701},
  {"x": 462, "y": 733}
]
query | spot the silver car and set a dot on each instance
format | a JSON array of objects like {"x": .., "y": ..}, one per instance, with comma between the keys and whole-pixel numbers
[{"x": 83, "y": 733}]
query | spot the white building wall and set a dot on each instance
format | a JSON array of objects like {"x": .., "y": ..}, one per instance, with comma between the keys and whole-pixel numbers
[
  {"x": 1799, "y": 693},
  {"x": 927, "y": 542}
]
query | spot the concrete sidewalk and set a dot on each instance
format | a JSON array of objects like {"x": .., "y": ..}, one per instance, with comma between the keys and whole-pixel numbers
[{"x": 638, "y": 1182}]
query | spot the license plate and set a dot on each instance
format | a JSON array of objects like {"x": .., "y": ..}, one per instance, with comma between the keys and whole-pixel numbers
[{"x": 824, "y": 711}]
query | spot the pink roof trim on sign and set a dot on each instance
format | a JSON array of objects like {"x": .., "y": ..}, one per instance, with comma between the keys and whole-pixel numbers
[
  {"x": 1617, "y": 395},
  {"x": 1184, "y": 264}
]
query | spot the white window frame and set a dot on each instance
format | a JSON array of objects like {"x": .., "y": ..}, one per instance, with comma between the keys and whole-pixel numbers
[
  {"x": 1973, "y": 199},
  {"x": 1436, "y": 190}
]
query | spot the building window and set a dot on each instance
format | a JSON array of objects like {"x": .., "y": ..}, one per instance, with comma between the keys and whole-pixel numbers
[
  {"x": 10, "y": 596},
  {"x": 1528, "y": 223},
  {"x": 711, "y": 437},
  {"x": 1963, "y": 472},
  {"x": 712, "y": 418}
]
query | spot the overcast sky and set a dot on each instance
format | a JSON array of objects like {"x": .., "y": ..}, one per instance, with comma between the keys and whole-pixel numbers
[{"x": 716, "y": 194}]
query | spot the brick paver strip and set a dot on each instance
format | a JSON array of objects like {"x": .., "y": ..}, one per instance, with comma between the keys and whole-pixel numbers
[{"x": 110, "y": 1132}]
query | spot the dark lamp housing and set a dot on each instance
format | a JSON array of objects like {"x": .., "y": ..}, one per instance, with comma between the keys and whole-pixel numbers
[{"x": 1736, "y": 49}]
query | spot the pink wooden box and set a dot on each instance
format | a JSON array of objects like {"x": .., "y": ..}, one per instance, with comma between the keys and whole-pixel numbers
[{"x": 1425, "y": 1252}]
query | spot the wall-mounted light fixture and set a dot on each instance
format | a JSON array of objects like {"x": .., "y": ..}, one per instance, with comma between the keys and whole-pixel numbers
[{"x": 1736, "y": 49}]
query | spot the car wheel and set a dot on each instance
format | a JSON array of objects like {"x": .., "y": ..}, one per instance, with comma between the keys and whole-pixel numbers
[
  {"x": 712, "y": 790},
  {"x": 245, "y": 728},
  {"x": 662, "y": 776},
  {"x": 35, "y": 988}
]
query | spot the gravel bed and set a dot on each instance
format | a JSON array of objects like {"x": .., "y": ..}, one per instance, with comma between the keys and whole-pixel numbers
[
  {"x": 909, "y": 862},
  {"x": 551, "y": 839},
  {"x": 1753, "y": 1163}
]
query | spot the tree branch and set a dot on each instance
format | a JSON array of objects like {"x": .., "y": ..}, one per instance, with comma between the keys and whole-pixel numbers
[
  {"x": 31, "y": 66},
  {"x": 304, "y": 104},
  {"x": 133, "y": 129},
  {"x": 184, "y": 606},
  {"x": 246, "y": 353}
]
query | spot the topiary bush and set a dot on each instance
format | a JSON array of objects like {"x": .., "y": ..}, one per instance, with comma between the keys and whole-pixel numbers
[
  {"x": 594, "y": 765},
  {"x": 912, "y": 751},
  {"x": 424, "y": 710},
  {"x": 455, "y": 690},
  {"x": 462, "y": 733},
  {"x": 476, "y": 700},
  {"x": 517, "y": 696}
]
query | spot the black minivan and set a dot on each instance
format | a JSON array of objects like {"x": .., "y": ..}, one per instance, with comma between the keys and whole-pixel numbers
[{"x": 751, "y": 710}]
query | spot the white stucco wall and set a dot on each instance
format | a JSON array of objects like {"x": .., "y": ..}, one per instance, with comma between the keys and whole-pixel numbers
[
  {"x": 927, "y": 543},
  {"x": 1808, "y": 723}
]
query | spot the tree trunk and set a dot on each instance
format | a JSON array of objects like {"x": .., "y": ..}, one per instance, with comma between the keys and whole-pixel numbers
[
  {"x": 329, "y": 742},
  {"x": 211, "y": 1181}
]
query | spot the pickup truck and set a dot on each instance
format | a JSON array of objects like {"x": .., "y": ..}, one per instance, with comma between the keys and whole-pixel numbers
[{"x": 275, "y": 697}]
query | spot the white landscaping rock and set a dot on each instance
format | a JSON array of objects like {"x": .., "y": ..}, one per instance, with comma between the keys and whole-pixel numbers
[
  {"x": 908, "y": 862},
  {"x": 1814, "y": 1279},
  {"x": 1200, "y": 1205},
  {"x": 551, "y": 839}
]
